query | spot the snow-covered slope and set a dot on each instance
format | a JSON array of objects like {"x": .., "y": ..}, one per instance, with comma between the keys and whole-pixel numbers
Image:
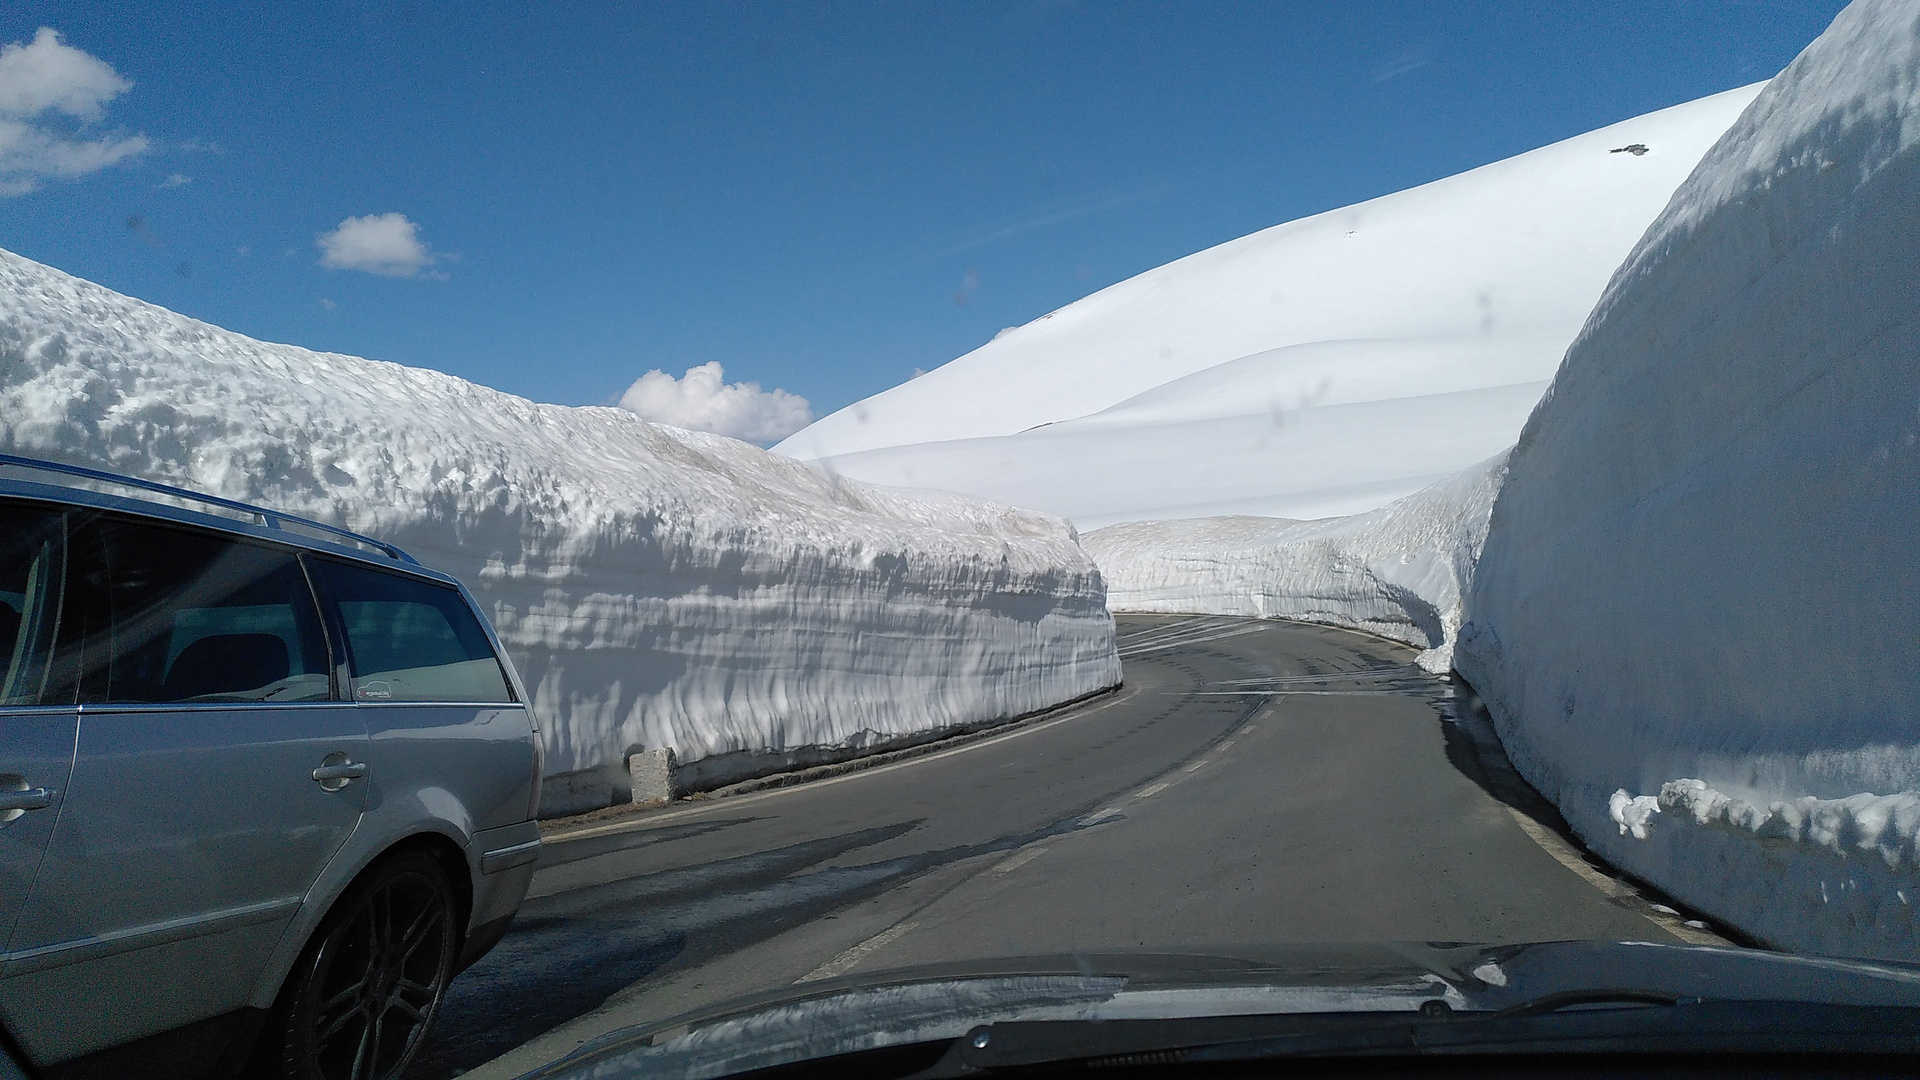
[
  {"x": 656, "y": 587},
  {"x": 1697, "y": 616},
  {"x": 1325, "y": 366},
  {"x": 1398, "y": 571}
]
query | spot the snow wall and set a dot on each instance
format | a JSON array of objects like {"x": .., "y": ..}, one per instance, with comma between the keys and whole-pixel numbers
[
  {"x": 655, "y": 587},
  {"x": 1696, "y": 618},
  {"x": 1399, "y": 571}
]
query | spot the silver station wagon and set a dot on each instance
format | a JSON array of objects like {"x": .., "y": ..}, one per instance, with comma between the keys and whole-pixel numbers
[{"x": 266, "y": 786}]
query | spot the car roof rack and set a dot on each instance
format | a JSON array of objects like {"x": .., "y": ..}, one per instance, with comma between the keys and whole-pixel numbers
[{"x": 272, "y": 519}]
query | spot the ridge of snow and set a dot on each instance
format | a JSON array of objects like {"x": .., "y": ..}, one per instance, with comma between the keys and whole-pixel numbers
[
  {"x": 654, "y": 587},
  {"x": 1320, "y": 367},
  {"x": 1701, "y": 564}
]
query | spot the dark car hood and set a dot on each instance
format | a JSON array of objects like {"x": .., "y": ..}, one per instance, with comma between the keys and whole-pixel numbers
[{"x": 821, "y": 1019}]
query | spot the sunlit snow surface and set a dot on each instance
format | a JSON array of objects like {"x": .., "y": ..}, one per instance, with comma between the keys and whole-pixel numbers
[
  {"x": 1322, "y": 367},
  {"x": 655, "y": 587},
  {"x": 1696, "y": 613}
]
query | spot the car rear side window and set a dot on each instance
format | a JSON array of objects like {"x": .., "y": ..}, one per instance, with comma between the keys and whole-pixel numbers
[
  {"x": 410, "y": 640},
  {"x": 179, "y": 615},
  {"x": 32, "y": 561}
]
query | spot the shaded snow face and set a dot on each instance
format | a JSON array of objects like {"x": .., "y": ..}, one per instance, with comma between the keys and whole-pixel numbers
[
  {"x": 1399, "y": 571},
  {"x": 1696, "y": 605},
  {"x": 655, "y": 587},
  {"x": 1323, "y": 367}
]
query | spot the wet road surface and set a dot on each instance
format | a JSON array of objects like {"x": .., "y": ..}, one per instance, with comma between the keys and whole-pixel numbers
[{"x": 1252, "y": 781}]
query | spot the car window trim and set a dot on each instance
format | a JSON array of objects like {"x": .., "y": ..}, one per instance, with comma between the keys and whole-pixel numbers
[
  {"x": 339, "y": 679},
  {"x": 200, "y": 706},
  {"x": 438, "y": 704}
]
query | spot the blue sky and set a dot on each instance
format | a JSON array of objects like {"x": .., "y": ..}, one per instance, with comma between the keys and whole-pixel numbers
[{"x": 820, "y": 198}]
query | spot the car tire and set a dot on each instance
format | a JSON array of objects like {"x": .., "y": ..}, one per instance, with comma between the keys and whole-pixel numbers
[{"x": 361, "y": 998}]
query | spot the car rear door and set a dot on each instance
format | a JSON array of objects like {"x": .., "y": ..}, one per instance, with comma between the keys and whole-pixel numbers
[
  {"x": 194, "y": 824},
  {"x": 436, "y": 700}
]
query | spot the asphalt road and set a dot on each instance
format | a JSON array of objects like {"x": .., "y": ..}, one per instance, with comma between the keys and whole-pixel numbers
[{"x": 1252, "y": 781}]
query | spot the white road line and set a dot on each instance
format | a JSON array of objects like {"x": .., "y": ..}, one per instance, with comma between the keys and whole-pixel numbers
[
  {"x": 1337, "y": 676},
  {"x": 1197, "y": 639},
  {"x": 1178, "y": 628},
  {"x": 1164, "y": 635},
  {"x": 1196, "y": 765},
  {"x": 1203, "y": 631},
  {"x": 1563, "y": 854},
  {"x": 1383, "y": 692},
  {"x": 1095, "y": 819},
  {"x": 1152, "y": 790},
  {"x": 1228, "y": 745},
  {"x": 854, "y": 955},
  {"x": 1020, "y": 859}
]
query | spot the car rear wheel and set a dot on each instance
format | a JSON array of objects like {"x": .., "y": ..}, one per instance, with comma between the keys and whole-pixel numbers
[{"x": 358, "y": 1003}]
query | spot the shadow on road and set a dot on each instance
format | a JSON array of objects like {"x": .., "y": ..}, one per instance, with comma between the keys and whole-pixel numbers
[
  {"x": 1473, "y": 747},
  {"x": 568, "y": 953}
]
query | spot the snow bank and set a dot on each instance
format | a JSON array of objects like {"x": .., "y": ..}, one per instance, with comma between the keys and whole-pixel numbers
[
  {"x": 1322, "y": 367},
  {"x": 655, "y": 587},
  {"x": 1695, "y": 617},
  {"x": 1398, "y": 571}
]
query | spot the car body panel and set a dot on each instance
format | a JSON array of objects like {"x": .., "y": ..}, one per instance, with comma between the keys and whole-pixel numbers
[
  {"x": 421, "y": 755},
  {"x": 36, "y": 751},
  {"x": 199, "y": 828},
  {"x": 1045, "y": 1010},
  {"x": 190, "y": 839}
]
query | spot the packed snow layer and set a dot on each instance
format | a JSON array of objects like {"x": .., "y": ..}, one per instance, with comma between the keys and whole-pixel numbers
[
  {"x": 655, "y": 587},
  {"x": 1695, "y": 616},
  {"x": 1398, "y": 571},
  {"x": 1322, "y": 367}
]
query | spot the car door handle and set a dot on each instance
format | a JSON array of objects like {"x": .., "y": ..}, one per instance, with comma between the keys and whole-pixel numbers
[
  {"x": 346, "y": 770},
  {"x": 38, "y": 798}
]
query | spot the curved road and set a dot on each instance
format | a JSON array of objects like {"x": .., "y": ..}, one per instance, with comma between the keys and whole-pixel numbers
[{"x": 1252, "y": 781}]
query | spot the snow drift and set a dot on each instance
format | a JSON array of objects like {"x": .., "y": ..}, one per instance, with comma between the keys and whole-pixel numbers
[
  {"x": 1322, "y": 367},
  {"x": 655, "y": 587},
  {"x": 1399, "y": 571},
  {"x": 1695, "y": 616}
]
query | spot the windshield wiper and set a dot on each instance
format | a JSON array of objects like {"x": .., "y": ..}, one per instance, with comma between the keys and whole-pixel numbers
[{"x": 1575, "y": 999}]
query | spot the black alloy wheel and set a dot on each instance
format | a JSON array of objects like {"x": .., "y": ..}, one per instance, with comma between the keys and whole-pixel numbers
[{"x": 358, "y": 1004}]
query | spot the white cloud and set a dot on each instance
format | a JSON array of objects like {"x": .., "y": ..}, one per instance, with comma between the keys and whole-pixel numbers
[
  {"x": 176, "y": 180},
  {"x": 46, "y": 76},
  {"x": 704, "y": 401},
  {"x": 384, "y": 244},
  {"x": 50, "y": 75}
]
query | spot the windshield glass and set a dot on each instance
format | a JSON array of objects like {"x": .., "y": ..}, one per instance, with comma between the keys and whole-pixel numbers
[{"x": 966, "y": 518}]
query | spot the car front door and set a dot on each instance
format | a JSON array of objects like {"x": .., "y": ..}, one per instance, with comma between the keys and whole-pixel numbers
[
  {"x": 37, "y": 721},
  {"x": 194, "y": 824}
]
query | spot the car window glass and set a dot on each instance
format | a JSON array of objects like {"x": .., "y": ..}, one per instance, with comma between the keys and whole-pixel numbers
[
  {"x": 195, "y": 617},
  {"x": 410, "y": 640},
  {"x": 32, "y": 550}
]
